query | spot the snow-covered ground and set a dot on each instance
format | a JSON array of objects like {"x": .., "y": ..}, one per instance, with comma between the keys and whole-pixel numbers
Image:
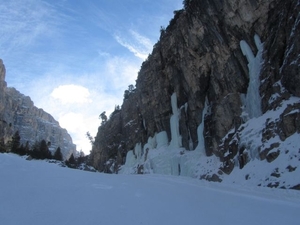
[
  {"x": 159, "y": 156},
  {"x": 36, "y": 192}
]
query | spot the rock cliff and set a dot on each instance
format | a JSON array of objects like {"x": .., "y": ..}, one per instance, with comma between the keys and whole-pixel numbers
[
  {"x": 219, "y": 68},
  {"x": 18, "y": 113}
]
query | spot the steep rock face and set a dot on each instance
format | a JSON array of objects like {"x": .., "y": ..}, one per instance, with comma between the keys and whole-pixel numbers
[
  {"x": 2, "y": 84},
  {"x": 200, "y": 58},
  {"x": 18, "y": 113},
  {"x": 5, "y": 131}
]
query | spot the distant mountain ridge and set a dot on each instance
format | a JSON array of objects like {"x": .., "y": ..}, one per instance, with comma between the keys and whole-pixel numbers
[
  {"x": 18, "y": 113},
  {"x": 220, "y": 93}
]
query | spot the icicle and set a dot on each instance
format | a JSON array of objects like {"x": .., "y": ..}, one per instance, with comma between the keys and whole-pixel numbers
[
  {"x": 191, "y": 144},
  {"x": 176, "y": 141},
  {"x": 130, "y": 159},
  {"x": 161, "y": 139},
  {"x": 151, "y": 144},
  {"x": 244, "y": 115},
  {"x": 185, "y": 107},
  {"x": 138, "y": 151},
  {"x": 200, "y": 130},
  {"x": 246, "y": 51},
  {"x": 174, "y": 104},
  {"x": 258, "y": 42},
  {"x": 253, "y": 99}
]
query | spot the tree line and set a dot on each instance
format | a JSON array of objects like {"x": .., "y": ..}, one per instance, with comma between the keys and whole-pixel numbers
[{"x": 39, "y": 150}]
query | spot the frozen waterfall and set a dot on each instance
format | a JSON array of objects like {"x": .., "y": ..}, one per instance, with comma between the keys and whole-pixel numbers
[
  {"x": 253, "y": 99},
  {"x": 201, "y": 144},
  {"x": 176, "y": 141}
]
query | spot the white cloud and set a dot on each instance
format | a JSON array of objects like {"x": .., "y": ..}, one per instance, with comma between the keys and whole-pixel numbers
[
  {"x": 146, "y": 42},
  {"x": 71, "y": 120},
  {"x": 77, "y": 99},
  {"x": 131, "y": 48},
  {"x": 103, "y": 54},
  {"x": 139, "y": 45},
  {"x": 23, "y": 22},
  {"x": 69, "y": 94}
]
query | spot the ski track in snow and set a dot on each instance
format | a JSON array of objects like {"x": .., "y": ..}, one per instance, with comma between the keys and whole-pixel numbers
[{"x": 36, "y": 192}]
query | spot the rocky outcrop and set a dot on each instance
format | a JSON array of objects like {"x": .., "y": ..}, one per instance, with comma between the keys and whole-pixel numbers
[
  {"x": 2, "y": 84},
  {"x": 5, "y": 131},
  {"x": 209, "y": 54},
  {"x": 18, "y": 113}
]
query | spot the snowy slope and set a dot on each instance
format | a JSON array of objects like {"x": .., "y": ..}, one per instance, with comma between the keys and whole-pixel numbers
[
  {"x": 35, "y": 192},
  {"x": 171, "y": 159}
]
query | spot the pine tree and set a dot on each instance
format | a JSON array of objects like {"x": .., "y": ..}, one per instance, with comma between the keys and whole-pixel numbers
[
  {"x": 2, "y": 145},
  {"x": 41, "y": 151},
  {"x": 35, "y": 153},
  {"x": 22, "y": 150},
  {"x": 45, "y": 153},
  {"x": 15, "y": 143},
  {"x": 103, "y": 118},
  {"x": 72, "y": 159},
  {"x": 27, "y": 148},
  {"x": 58, "y": 155},
  {"x": 81, "y": 158},
  {"x": 126, "y": 94},
  {"x": 71, "y": 162},
  {"x": 91, "y": 139}
]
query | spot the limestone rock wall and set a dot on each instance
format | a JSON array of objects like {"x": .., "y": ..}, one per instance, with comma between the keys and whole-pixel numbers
[
  {"x": 199, "y": 57},
  {"x": 18, "y": 113},
  {"x": 2, "y": 84}
]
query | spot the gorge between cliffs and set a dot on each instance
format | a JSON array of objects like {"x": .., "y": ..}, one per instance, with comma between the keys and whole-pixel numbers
[{"x": 217, "y": 99}]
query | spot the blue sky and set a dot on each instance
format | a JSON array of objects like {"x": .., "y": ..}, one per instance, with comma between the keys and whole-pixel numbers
[{"x": 75, "y": 58}]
